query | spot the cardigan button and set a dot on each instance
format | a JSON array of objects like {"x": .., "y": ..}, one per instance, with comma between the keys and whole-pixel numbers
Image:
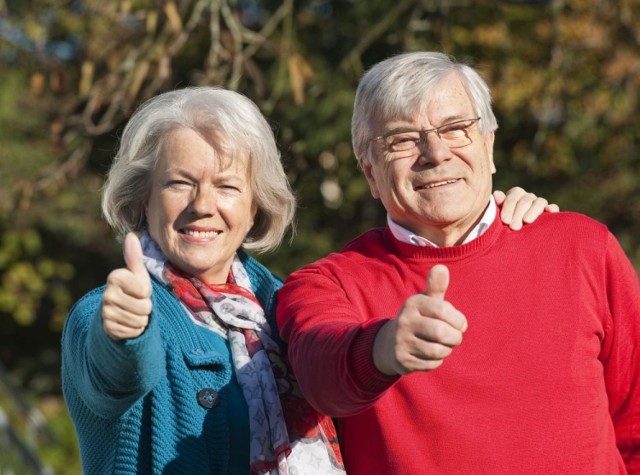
[{"x": 208, "y": 398}]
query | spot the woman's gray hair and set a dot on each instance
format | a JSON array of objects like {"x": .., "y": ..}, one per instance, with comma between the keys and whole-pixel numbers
[
  {"x": 398, "y": 87},
  {"x": 213, "y": 112}
]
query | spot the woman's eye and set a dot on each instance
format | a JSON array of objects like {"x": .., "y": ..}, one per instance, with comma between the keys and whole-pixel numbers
[{"x": 179, "y": 184}]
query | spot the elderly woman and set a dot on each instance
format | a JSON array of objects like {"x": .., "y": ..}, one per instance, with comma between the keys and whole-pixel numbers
[{"x": 175, "y": 365}]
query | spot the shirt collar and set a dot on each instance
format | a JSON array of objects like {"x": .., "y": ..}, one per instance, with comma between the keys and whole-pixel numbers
[{"x": 404, "y": 235}]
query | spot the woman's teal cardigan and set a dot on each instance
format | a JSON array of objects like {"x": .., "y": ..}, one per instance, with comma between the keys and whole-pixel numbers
[{"x": 141, "y": 405}]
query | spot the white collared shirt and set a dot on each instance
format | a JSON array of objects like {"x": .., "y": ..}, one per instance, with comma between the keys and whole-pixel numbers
[{"x": 404, "y": 235}]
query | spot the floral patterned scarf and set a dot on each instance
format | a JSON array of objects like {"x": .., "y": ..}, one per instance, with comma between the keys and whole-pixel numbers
[{"x": 288, "y": 436}]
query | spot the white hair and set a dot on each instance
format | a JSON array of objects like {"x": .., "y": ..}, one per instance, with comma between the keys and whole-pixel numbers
[
  {"x": 399, "y": 86},
  {"x": 211, "y": 111}
]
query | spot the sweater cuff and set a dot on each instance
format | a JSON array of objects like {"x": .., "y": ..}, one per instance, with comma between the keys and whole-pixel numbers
[
  {"x": 367, "y": 376},
  {"x": 132, "y": 363}
]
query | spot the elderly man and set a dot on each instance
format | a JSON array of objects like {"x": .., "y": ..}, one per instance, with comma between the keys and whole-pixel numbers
[{"x": 447, "y": 343}]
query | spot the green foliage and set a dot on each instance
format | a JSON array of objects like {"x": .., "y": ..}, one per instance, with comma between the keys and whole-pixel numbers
[
  {"x": 62, "y": 455},
  {"x": 564, "y": 77},
  {"x": 54, "y": 443},
  {"x": 28, "y": 277},
  {"x": 29, "y": 273}
]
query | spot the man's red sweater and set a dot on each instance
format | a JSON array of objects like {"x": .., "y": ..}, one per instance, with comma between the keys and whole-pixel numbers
[{"x": 546, "y": 379}]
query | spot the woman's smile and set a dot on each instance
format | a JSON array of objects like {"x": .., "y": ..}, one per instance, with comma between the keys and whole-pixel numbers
[{"x": 201, "y": 204}]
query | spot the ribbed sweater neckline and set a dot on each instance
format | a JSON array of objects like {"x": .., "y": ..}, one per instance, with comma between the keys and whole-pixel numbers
[{"x": 478, "y": 245}]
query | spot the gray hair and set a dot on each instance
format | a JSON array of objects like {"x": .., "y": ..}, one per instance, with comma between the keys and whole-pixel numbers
[
  {"x": 399, "y": 86},
  {"x": 203, "y": 109}
]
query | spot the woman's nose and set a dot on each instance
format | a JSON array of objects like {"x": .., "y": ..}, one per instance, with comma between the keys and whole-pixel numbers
[{"x": 204, "y": 201}]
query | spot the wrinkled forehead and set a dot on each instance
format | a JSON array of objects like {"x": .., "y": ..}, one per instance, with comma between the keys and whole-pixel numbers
[
  {"x": 435, "y": 101},
  {"x": 226, "y": 150}
]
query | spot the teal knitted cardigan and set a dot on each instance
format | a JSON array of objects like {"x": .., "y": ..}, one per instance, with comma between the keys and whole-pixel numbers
[{"x": 134, "y": 403}]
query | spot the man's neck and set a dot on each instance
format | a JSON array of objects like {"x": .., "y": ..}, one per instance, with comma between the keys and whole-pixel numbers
[{"x": 446, "y": 236}]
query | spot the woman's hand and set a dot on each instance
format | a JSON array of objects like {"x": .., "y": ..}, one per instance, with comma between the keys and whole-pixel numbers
[
  {"x": 519, "y": 207},
  {"x": 126, "y": 303}
]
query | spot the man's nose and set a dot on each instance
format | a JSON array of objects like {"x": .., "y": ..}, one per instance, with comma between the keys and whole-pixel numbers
[{"x": 433, "y": 150}]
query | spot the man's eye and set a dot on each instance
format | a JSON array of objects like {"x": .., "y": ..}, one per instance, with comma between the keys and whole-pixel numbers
[
  {"x": 404, "y": 140},
  {"x": 458, "y": 128}
]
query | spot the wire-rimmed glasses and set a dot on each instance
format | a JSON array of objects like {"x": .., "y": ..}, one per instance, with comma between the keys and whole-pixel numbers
[{"x": 406, "y": 143}]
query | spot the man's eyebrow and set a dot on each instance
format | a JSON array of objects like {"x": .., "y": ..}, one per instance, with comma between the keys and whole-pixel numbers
[
  {"x": 454, "y": 118},
  {"x": 399, "y": 130},
  {"x": 445, "y": 121}
]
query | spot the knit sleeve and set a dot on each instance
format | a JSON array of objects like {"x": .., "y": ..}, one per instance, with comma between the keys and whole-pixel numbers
[
  {"x": 330, "y": 344},
  {"x": 621, "y": 353},
  {"x": 108, "y": 376}
]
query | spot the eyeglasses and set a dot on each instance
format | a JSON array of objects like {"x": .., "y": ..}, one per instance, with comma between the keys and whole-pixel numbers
[{"x": 406, "y": 143}]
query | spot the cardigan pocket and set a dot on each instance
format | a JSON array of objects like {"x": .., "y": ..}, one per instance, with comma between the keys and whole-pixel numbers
[{"x": 208, "y": 360}]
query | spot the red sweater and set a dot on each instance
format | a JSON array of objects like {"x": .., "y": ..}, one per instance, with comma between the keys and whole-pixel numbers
[{"x": 545, "y": 381}]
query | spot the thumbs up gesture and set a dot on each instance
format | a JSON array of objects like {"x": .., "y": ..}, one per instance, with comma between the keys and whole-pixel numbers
[
  {"x": 126, "y": 302},
  {"x": 424, "y": 332}
]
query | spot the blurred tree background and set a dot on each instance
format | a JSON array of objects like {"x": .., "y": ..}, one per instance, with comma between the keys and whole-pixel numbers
[{"x": 565, "y": 76}]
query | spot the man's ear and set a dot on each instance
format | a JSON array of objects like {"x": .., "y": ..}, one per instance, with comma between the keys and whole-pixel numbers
[
  {"x": 488, "y": 143},
  {"x": 367, "y": 169}
]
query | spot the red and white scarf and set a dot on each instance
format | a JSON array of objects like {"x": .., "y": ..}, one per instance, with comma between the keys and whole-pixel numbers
[{"x": 287, "y": 435}]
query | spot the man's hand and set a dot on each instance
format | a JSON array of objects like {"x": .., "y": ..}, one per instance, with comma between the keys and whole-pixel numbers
[
  {"x": 519, "y": 207},
  {"x": 126, "y": 303},
  {"x": 424, "y": 333}
]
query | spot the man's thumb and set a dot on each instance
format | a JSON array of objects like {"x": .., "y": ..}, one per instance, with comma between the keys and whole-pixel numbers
[
  {"x": 133, "y": 255},
  {"x": 438, "y": 281}
]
